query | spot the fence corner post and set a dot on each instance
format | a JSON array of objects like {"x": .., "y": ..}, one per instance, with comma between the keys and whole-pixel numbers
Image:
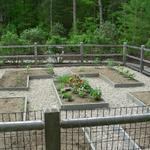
[
  {"x": 52, "y": 130},
  {"x": 35, "y": 52},
  {"x": 141, "y": 58},
  {"x": 81, "y": 51},
  {"x": 124, "y": 53}
]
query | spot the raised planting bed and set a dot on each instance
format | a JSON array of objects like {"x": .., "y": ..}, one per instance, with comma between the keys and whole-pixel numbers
[
  {"x": 85, "y": 71},
  {"x": 141, "y": 98},
  {"x": 74, "y": 93},
  {"x": 10, "y": 108},
  {"x": 19, "y": 79},
  {"x": 118, "y": 79},
  {"x": 14, "y": 80}
]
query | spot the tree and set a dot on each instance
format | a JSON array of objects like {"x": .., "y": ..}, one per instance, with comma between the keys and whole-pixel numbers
[
  {"x": 134, "y": 21},
  {"x": 74, "y": 16},
  {"x": 100, "y": 13}
]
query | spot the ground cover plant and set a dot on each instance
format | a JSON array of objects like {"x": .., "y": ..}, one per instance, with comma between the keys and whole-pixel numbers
[
  {"x": 70, "y": 85},
  {"x": 120, "y": 69}
]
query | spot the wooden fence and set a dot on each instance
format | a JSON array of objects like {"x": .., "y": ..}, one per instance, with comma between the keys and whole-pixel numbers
[{"x": 84, "y": 54}]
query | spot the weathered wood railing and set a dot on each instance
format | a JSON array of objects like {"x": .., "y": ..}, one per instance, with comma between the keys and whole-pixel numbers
[
  {"x": 77, "y": 53},
  {"x": 143, "y": 64}
]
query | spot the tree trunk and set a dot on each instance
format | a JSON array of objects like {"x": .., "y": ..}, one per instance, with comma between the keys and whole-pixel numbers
[
  {"x": 74, "y": 16},
  {"x": 51, "y": 15},
  {"x": 100, "y": 13}
]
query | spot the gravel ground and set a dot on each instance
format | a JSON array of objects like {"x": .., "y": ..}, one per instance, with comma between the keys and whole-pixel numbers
[{"x": 41, "y": 94}]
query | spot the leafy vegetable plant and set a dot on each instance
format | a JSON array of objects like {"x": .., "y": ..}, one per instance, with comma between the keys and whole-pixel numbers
[
  {"x": 126, "y": 73},
  {"x": 96, "y": 94},
  {"x": 67, "y": 96},
  {"x": 110, "y": 63}
]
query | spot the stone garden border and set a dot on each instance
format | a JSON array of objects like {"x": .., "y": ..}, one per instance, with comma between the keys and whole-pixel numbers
[
  {"x": 25, "y": 99},
  {"x": 86, "y": 106}
]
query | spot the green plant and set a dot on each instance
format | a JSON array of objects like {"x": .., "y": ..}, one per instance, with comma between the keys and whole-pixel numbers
[
  {"x": 67, "y": 96},
  {"x": 28, "y": 67},
  {"x": 33, "y": 35},
  {"x": 96, "y": 61},
  {"x": 126, "y": 73},
  {"x": 63, "y": 79},
  {"x": 110, "y": 63},
  {"x": 96, "y": 94},
  {"x": 81, "y": 92},
  {"x": 86, "y": 86},
  {"x": 50, "y": 69}
]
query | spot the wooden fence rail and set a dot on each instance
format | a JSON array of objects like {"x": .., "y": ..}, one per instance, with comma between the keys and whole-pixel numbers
[{"x": 80, "y": 56}]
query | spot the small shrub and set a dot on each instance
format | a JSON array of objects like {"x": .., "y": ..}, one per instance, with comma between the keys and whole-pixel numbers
[
  {"x": 34, "y": 35},
  {"x": 58, "y": 29},
  {"x": 63, "y": 79},
  {"x": 110, "y": 63},
  {"x": 50, "y": 69},
  {"x": 86, "y": 86},
  {"x": 126, "y": 73},
  {"x": 81, "y": 92},
  {"x": 96, "y": 94},
  {"x": 67, "y": 96},
  {"x": 28, "y": 67}
]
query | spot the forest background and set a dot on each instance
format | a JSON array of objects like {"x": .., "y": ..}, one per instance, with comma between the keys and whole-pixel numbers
[{"x": 74, "y": 21}]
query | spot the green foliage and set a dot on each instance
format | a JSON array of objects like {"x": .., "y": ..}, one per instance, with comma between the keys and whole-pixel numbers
[
  {"x": 63, "y": 79},
  {"x": 58, "y": 29},
  {"x": 11, "y": 38},
  {"x": 126, "y": 73},
  {"x": 67, "y": 96},
  {"x": 134, "y": 21},
  {"x": 50, "y": 69},
  {"x": 89, "y": 32},
  {"x": 55, "y": 39},
  {"x": 96, "y": 94},
  {"x": 96, "y": 61},
  {"x": 110, "y": 63},
  {"x": 81, "y": 92},
  {"x": 86, "y": 86},
  {"x": 28, "y": 67},
  {"x": 33, "y": 35}
]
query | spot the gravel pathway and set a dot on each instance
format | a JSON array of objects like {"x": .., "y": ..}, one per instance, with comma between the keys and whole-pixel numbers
[{"x": 41, "y": 94}]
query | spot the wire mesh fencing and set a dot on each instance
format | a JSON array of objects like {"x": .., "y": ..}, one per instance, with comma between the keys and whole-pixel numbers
[
  {"x": 22, "y": 140},
  {"x": 117, "y": 136},
  {"x": 126, "y": 128}
]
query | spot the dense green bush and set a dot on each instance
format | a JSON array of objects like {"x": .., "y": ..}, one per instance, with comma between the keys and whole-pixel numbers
[
  {"x": 34, "y": 35},
  {"x": 58, "y": 29},
  {"x": 11, "y": 38},
  {"x": 55, "y": 39}
]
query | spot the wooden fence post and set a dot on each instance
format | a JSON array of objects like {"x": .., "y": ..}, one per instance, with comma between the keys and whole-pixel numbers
[
  {"x": 124, "y": 53},
  {"x": 35, "y": 52},
  {"x": 141, "y": 58},
  {"x": 81, "y": 51},
  {"x": 52, "y": 130}
]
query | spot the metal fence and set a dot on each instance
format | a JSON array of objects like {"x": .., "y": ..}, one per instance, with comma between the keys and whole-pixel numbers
[
  {"x": 125, "y": 128},
  {"x": 106, "y": 129},
  {"x": 16, "y": 134}
]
